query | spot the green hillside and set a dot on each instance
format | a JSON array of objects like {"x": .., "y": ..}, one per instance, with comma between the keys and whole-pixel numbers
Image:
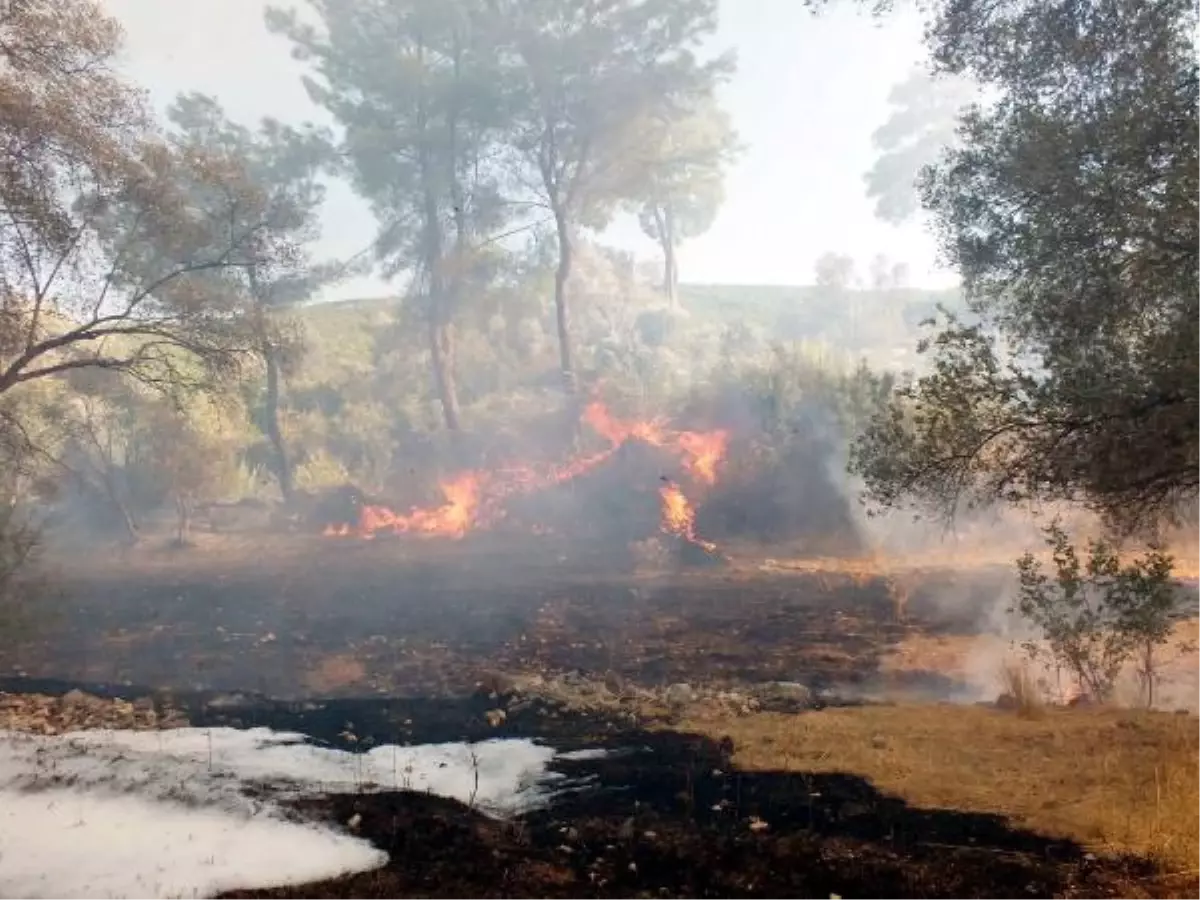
[{"x": 859, "y": 320}]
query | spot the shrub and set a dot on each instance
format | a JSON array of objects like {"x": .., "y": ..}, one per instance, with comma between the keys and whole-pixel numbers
[{"x": 1095, "y": 618}]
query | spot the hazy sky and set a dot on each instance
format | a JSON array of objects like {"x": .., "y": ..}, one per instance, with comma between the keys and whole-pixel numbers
[{"x": 808, "y": 93}]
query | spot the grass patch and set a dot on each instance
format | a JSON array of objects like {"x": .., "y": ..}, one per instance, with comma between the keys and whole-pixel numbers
[
  {"x": 1021, "y": 688},
  {"x": 1116, "y": 781}
]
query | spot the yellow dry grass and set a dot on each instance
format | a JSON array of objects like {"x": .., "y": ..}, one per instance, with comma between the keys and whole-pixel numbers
[
  {"x": 1113, "y": 780},
  {"x": 335, "y": 673}
]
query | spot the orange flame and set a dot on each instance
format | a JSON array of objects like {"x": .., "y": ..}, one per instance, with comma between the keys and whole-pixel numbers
[
  {"x": 473, "y": 498},
  {"x": 678, "y": 517}
]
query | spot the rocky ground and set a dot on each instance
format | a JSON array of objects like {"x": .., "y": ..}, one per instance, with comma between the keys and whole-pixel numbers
[{"x": 78, "y": 711}]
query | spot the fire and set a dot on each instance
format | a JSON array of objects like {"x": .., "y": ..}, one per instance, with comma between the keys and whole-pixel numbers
[
  {"x": 452, "y": 519},
  {"x": 473, "y": 499},
  {"x": 699, "y": 451},
  {"x": 678, "y": 517}
]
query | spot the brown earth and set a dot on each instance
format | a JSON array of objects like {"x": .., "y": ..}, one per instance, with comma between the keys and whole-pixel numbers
[{"x": 751, "y": 789}]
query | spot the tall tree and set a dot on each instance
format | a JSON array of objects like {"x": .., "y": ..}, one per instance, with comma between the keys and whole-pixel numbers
[
  {"x": 414, "y": 86},
  {"x": 286, "y": 165},
  {"x": 115, "y": 250},
  {"x": 834, "y": 271},
  {"x": 923, "y": 125},
  {"x": 685, "y": 182},
  {"x": 1071, "y": 212},
  {"x": 586, "y": 76}
]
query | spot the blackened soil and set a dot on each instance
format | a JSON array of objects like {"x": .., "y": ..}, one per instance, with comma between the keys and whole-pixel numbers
[
  {"x": 666, "y": 816},
  {"x": 662, "y": 814},
  {"x": 389, "y": 618}
]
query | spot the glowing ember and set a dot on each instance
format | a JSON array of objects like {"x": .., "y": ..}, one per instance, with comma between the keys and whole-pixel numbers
[{"x": 473, "y": 499}]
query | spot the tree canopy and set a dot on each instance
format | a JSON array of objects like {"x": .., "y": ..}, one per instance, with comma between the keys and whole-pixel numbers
[
  {"x": 118, "y": 249},
  {"x": 924, "y": 121},
  {"x": 1070, "y": 210}
]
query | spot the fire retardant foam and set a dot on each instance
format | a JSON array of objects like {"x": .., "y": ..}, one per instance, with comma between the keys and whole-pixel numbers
[{"x": 193, "y": 812}]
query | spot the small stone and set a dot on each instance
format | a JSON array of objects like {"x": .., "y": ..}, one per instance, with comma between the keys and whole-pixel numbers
[
  {"x": 790, "y": 693},
  {"x": 680, "y": 694}
]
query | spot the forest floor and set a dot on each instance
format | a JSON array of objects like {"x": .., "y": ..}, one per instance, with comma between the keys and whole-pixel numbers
[{"x": 780, "y": 733}]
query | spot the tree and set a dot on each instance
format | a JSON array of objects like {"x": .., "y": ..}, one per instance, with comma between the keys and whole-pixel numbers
[
  {"x": 414, "y": 86},
  {"x": 191, "y": 446},
  {"x": 1094, "y": 618},
  {"x": 1070, "y": 209},
  {"x": 834, "y": 271},
  {"x": 114, "y": 248},
  {"x": 585, "y": 79},
  {"x": 923, "y": 124},
  {"x": 286, "y": 165},
  {"x": 685, "y": 183}
]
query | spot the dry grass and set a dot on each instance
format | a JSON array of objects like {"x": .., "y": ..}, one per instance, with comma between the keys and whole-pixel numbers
[
  {"x": 335, "y": 673},
  {"x": 1021, "y": 686},
  {"x": 1116, "y": 781}
]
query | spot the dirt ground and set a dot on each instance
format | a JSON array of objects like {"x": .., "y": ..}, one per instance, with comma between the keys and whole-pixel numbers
[
  {"x": 757, "y": 757},
  {"x": 311, "y": 616}
]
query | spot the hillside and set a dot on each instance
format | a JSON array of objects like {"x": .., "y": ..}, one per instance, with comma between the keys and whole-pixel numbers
[{"x": 882, "y": 325}]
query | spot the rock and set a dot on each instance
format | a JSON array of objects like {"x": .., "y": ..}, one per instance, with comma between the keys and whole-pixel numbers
[
  {"x": 680, "y": 694},
  {"x": 1006, "y": 701},
  {"x": 785, "y": 696},
  {"x": 76, "y": 697},
  {"x": 498, "y": 683}
]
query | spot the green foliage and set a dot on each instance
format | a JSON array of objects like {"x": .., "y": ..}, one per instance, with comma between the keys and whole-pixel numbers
[
  {"x": 1095, "y": 617},
  {"x": 923, "y": 124},
  {"x": 1070, "y": 209},
  {"x": 20, "y": 546}
]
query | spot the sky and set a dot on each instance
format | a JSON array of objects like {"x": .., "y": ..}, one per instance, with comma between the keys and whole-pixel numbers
[{"x": 808, "y": 93}]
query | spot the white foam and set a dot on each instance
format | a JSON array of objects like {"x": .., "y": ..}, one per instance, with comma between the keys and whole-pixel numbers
[{"x": 193, "y": 812}]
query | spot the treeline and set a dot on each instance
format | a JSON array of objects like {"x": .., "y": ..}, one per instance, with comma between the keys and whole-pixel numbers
[{"x": 159, "y": 349}]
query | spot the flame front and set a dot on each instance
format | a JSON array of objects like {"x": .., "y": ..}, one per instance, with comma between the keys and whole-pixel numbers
[
  {"x": 678, "y": 517},
  {"x": 473, "y": 499}
]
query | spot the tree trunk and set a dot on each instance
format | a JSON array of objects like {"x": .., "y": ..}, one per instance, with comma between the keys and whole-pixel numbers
[
  {"x": 128, "y": 519},
  {"x": 441, "y": 352},
  {"x": 666, "y": 237},
  {"x": 283, "y": 467},
  {"x": 437, "y": 316},
  {"x": 561, "y": 274},
  {"x": 183, "y": 507}
]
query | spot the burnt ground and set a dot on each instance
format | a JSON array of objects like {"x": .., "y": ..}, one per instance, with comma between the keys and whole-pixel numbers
[
  {"x": 330, "y": 617},
  {"x": 390, "y": 640},
  {"x": 664, "y": 814}
]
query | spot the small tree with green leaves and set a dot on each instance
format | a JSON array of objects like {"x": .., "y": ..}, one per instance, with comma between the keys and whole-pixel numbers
[{"x": 1094, "y": 617}]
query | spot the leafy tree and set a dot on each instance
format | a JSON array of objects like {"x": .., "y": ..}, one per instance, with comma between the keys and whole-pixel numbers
[
  {"x": 1095, "y": 618},
  {"x": 415, "y": 88},
  {"x": 114, "y": 249},
  {"x": 685, "y": 183},
  {"x": 926, "y": 110},
  {"x": 585, "y": 79},
  {"x": 192, "y": 447},
  {"x": 286, "y": 165},
  {"x": 1070, "y": 210},
  {"x": 834, "y": 271}
]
